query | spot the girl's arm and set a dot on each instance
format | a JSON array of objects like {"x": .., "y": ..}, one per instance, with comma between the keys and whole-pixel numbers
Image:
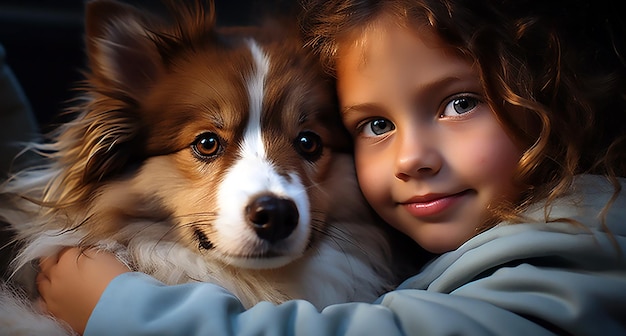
[
  {"x": 72, "y": 283},
  {"x": 134, "y": 303},
  {"x": 526, "y": 279}
]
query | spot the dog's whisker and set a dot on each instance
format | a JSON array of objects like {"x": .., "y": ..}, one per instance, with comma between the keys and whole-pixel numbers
[
  {"x": 338, "y": 235},
  {"x": 211, "y": 214},
  {"x": 196, "y": 223}
]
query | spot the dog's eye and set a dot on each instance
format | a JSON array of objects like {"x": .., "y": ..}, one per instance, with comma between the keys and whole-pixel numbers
[
  {"x": 309, "y": 145},
  {"x": 207, "y": 145}
]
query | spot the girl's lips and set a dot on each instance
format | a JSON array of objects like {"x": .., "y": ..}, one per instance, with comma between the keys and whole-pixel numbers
[{"x": 432, "y": 205}]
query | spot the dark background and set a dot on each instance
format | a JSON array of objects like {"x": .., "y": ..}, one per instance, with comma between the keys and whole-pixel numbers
[{"x": 43, "y": 40}]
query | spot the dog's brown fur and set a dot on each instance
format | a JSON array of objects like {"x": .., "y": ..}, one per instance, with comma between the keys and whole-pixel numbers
[{"x": 129, "y": 173}]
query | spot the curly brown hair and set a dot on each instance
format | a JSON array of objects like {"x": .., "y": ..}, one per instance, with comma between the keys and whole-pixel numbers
[{"x": 558, "y": 64}]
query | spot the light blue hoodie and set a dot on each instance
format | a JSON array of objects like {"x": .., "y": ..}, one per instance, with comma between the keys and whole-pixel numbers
[{"x": 526, "y": 279}]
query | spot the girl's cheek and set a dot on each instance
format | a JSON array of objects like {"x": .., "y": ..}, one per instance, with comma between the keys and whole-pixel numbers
[
  {"x": 363, "y": 166},
  {"x": 371, "y": 174}
]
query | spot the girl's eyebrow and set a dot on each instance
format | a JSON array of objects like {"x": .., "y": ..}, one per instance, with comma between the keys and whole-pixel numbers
[
  {"x": 352, "y": 109},
  {"x": 461, "y": 83},
  {"x": 467, "y": 82}
]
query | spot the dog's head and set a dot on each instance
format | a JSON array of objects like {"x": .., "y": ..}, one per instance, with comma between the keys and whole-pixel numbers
[{"x": 228, "y": 133}]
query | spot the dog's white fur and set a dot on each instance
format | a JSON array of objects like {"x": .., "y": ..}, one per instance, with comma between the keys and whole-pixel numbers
[{"x": 335, "y": 253}]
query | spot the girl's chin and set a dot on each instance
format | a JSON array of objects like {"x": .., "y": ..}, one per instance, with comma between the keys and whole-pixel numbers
[{"x": 440, "y": 238}]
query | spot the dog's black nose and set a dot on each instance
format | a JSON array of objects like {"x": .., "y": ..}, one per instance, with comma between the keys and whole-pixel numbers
[{"x": 272, "y": 218}]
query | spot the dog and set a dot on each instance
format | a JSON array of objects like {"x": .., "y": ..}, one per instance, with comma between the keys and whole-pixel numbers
[{"x": 199, "y": 153}]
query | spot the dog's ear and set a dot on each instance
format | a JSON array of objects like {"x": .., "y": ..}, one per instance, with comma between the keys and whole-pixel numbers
[
  {"x": 128, "y": 51},
  {"x": 121, "y": 51},
  {"x": 130, "y": 48},
  {"x": 123, "y": 65}
]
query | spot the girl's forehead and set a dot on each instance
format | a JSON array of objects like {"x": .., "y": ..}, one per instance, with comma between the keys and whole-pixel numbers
[
  {"x": 387, "y": 33},
  {"x": 393, "y": 61}
]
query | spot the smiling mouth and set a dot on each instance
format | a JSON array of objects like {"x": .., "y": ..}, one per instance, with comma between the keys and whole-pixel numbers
[{"x": 433, "y": 205}]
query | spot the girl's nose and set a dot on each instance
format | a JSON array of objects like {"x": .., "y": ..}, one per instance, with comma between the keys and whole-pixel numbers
[{"x": 417, "y": 156}]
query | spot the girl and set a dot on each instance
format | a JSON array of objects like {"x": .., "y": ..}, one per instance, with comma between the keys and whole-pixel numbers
[{"x": 488, "y": 132}]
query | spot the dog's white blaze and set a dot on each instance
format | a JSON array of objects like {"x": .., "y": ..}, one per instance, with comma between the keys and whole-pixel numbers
[
  {"x": 253, "y": 141},
  {"x": 250, "y": 176}
]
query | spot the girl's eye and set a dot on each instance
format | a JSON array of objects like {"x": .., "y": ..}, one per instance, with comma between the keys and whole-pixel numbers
[
  {"x": 459, "y": 106},
  {"x": 207, "y": 146},
  {"x": 377, "y": 127}
]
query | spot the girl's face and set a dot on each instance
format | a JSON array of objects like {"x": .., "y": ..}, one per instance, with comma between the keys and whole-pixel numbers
[{"x": 431, "y": 157}]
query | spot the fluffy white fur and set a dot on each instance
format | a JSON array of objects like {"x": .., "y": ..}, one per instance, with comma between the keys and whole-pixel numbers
[
  {"x": 20, "y": 318},
  {"x": 351, "y": 264},
  {"x": 348, "y": 265}
]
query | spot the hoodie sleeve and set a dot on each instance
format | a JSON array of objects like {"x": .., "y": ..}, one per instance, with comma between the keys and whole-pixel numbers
[
  {"x": 563, "y": 300},
  {"x": 139, "y": 305}
]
